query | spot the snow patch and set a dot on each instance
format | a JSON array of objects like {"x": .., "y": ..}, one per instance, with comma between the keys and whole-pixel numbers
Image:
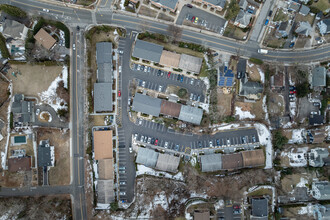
[
  {"x": 262, "y": 75},
  {"x": 264, "y": 107},
  {"x": 266, "y": 140},
  {"x": 307, "y": 210},
  {"x": 297, "y": 137},
  {"x": 3, "y": 159},
  {"x": 243, "y": 114},
  {"x": 302, "y": 182}
]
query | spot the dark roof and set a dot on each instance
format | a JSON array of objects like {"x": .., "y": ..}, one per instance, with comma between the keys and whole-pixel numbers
[
  {"x": 167, "y": 3},
  {"x": 220, "y": 3},
  {"x": 23, "y": 109},
  {"x": 147, "y": 157},
  {"x": 260, "y": 207},
  {"x": 103, "y": 97},
  {"x": 211, "y": 162},
  {"x": 44, "y": 154},
  {"x": 241, "y": 66},
  {"x": 316, "y": 119},
  {"x": 232, "y": 161},
  {"x": 319, "y": 76},
  {"x": 19, "y": 164},
  {"x": 146, "y": 104},
  {"x": 250, "y": 87},
  {"x": 147, "y": 51},
  {"x": 304, "y": 10},
  {"x": 170, "y": 108},
  {"x": 191, "y": 114},
  {"x": 283, "y": 26},
  {"x": 104, "y": 62},
  {"x": 324, "y": 26}
]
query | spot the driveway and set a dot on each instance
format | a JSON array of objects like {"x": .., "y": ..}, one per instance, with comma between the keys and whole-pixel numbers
[
  {"x": 56, "y": 122},
  {"x": 209, "y": 21}
]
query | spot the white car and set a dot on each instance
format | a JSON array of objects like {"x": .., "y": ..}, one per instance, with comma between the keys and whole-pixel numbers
[
  {"x": 73, "y": 46},
  {"x": 120, "y": 51},
  {"x": 135, "y": 136},
  {"x": 166, "y": 144},
  {"x": 143, "y": 83},
  {"x": 45, "y": 10},
  {"x": 160, "y": 88},
  {"x": 192, "y": 82},
  {"x": 122, "y": 193},
  {"x": 130, "y": 150},
  {"x": 38, "y": 111},
  {"x": 140, "y": 122},
  {"x": 119, "y": 69}
]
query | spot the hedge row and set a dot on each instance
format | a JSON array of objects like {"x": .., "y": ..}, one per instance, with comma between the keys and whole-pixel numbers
[{"x": 3, "y": 48}]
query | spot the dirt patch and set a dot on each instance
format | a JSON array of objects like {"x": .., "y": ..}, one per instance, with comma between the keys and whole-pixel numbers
[
  {"x": 301, "y": 42},
  {"x": 3, "y": 91},
  {"x": 147, "y": 12},
  {"x": 8, "y": 179},
  {"x": 33, "y": 79},
  {"x": 98, "y": 120},
  {"x": 60, "y": 173},
  {"x": 50, "y": 207},
  {"x": 255, "y": 108},
  {"x": 224, "y": 103},
  {"x": 234, "y": 32},
  {"x": 272, "y": 41},
  {"x": 289, "y": 182},
  {"x": 309, "y": 18},
  {"x": 165, "y": 17},
  {"x": 253, "y": 72},
  {"x": 275, "y": 104}
]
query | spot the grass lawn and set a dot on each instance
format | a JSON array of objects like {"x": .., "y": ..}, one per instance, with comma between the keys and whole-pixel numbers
[
  {"x": 322, "y": 4},
  {"x": 147, "y": 12},
  {"x": 165, "y": 17},
  {"x": 261, "y": 192},
  {"x": 280, "y": 16},
  {"x": 309, "y": 18},
  {"x": 234, "y": 32},
  {"x": 272, "y": 41}
]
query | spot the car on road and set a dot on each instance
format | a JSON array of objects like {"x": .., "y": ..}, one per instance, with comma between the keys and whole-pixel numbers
[
  {"x": 291, "y": 45},
  {"x": 45, "y": 10},
  {"x": 292, "y": 88},
  {"x": 156, "y": 141},
  {"x": 181, "y": 80},
  {"x": 120, "y": 51},
  {"x": 119, "y": 93},
  {"x": 189, "y": 5},
  {"x": 267, "y": 21},
  {"x": 166, "y": 144},
  {"x": 169, "y": 75},
  {"x": 73, "y": 46},
  {"x": 317, "y": 104}
]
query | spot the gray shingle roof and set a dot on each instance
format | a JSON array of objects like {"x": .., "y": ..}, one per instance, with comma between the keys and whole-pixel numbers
[
  {"x": 321, "y": 190},
  {"x": 250, "y": 88},
  {"x": 104, "y": 62},
  {"x": 220, "y": 3},
  {"x": 260, "y": 207},
  {"x": 243, "y": 4},
  {"x": 304, "y": 10},
  {"x": 211, "y": 162},
  {"x": 147, "y": 51},
  {"x": 243, "y": 17},
  {"x": 23, "y": 109},
  {"x": 191, "y": 114},
  {"x": 317, "y": 156},
  {"x": 103, "y": 97},
  {"x": 304, "y": 28},
  {"x": 319, "y": 76},
  {"x": 168, "y": 163},
  {"x": 13, "y": 28},
  {"x": 324, "y": 26},
  {"x": 190, "y": 63},
  {"x": 294, "y": 6},
  {"x": 147, "y": 157},
  {"x": 146, "y": 104},
  {"x": 44, "y": 154},
  {"x": 167, "y": 3},
  {"x": 105, "y": 191}
]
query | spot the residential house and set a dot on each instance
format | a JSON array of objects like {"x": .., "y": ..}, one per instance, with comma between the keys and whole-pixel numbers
[
  {"x": 13, "y": 29},
  {"x": 321, "y": 190},
  {"x": 45, "y": 39},
  {"x": 316, "y": 136},
  {"x": 304, "y": 10},
  {"x": 243, "y": 4},
  {"x": 319, "y": 15},
  {"x": 319, "y": 77},
  {"x": 324, "y": 26},
  {"x": 283, "y": 29},
  {"x": 146, "y": 104},
  {"x": 170, "y": 5},
  {"x": 243, "y": 19},
  {"x": 259, "y": 208},
  {"x": 250, "y": 90},
  {"x": 294, "y": 6},
  {"x": 277, "y": 81},
  {"x": 217, "y": 4},
  {"x": 322, "y": 212},
  {"x": 147, "y": 51},
  {"x": 316, "y": 120},
  {"x": 23, "y": 111},
  {"x": 316, "y": 157},
  {"x": 304, "y": 28},
  {"x": 103, "y": 86},
  {"x": 46, "y": 154}
]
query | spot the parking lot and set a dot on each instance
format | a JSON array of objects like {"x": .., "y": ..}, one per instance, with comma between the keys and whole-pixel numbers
[
  {"x": 165, "y": 78},
  {"x": 226, "y": 140},
  {"x": 200, "y": 17}
]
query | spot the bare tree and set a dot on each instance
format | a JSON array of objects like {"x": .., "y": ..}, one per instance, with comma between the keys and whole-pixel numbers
[{"x": 175, "y": 32}]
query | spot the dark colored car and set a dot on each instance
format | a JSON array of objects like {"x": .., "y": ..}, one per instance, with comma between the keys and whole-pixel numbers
[
  {"x": 189, "y": 6},
  {"x": 292, "y": 88},
  {"x": 178, "y": 77},
  {"x": 216, "y": 54},
  {"x": 199, "y": 144},
  {"x": 159, "y": 72},
  {"x": 291, "y": 45},
  {"x": 193, "y": 19},
  {"x": 181, "y": 80},
  {"x": 152, "y": 140},
  {"x": 270, "y": 13},
  {"x": 78, "y": 28},
  {"x": 218, "y": 142}
]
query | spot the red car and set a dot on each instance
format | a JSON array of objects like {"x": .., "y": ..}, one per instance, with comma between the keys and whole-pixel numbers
[
  {"x": 193, "y": 19},
  {"x": 156, "y": 141},
  {"x": 119, "y": 93},
  {"x": 293, "y": 92},
  {"x": 169, "y": 74}
]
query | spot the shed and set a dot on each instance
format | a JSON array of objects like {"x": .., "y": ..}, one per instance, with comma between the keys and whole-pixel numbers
[
  {"x": 19, "y": 164},
  {"x": 147, "y": 51},
  {"x": 170, "y": 59},
  {"x": 105, "y": 169},
  {"x": 45, "y": 39},
  {"x": 190, "y": 63},
  {"x": 232, "y": 161},
  {"x": 168, "y": 163},
  {"x": 170, "y": 108},
  {"x": 191, "y": 114},
  {"x": 105, "y": 191},
  {"x": 260, "y": 207},
  {"x": 146, "y": 104},
  {"x": 147, "y": 157},
  {"x": 211, "y": 162},
  {"x": 103, "y": 97},
  {"x": 253, "y": 158},
  {"x": 103, "y": 145}
]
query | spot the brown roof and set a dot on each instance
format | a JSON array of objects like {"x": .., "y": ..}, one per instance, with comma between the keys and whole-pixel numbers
[
  {"x": 232, "y": 161},
  {"x": 253, "y": 158},
  {"x": 19, "y": 164},
  {"x": 278, "y": 80},
  {"x": 105, "y": 168},
  {"x": 170, "y": 59},
  {"x": 170, "y": 108},
  {"x": 43, "y": 38},
  {"x": 103, "y": 145}
]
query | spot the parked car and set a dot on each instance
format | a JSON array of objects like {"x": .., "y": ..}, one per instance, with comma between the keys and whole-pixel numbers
[
  {"x": 149, "y": 140},
  {"x": 192, "y": 82},
  {"x": 146, "y": 69},
  {"x": 38, "y": 111},
  {"x": 199, "y": 144},
  {"x": 135, "y": 136},
  {"x": 181, "y": 80},
  {"x": 196, "y": 20},
  {"x": 159, "y": 72},
  {"x": 156, "y": 141},
  {"x": 178, "y": 78},
  {"x": 78, "y": 28},
  {"x": 218, "y": 142},
  {"x": 211, "y": 144},
  {"x": 193, "y": 19},
  {"x": 122, "y": 168},
  {"x": 153, "y": 141},
  {"x": 138, "y": 67},
  {"x": 267, "y": 21},
  {"x": 130, "y": 150},
  {"x": 166, "y": 144},
  {"x": 216, "y": 54},
  {"x": 189, "y": 5},
  {"x": 142, "y": 138},
  {"x": 228, "y": 141},
  {"x": 160, "y": 88},
  {"x": 291, "y": 45},
  {"x": 142, "y": 68},
  {"x": 169, "y": 75},
  {"x": 143, "y": 83},
  {"x": 177, "y": 147},
  {"x": 317, "y": 104},
  {"x": 122, "y": 193},
  {"x": 122, "y": 171},
  {"x": 122, "y": 183},
  {"x": 191, "y": 96},
  {"x": 45, "y": 10},
  {"x": 270, "y": 13},
  {"x": 253, "y": 139},
  {"x": 120, "y": 51},
  {"x": 292, "y": 88},
  {"x": 149, "y": 69}
]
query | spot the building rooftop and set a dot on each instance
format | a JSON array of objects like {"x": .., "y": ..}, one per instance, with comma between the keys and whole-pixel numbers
[
  {"x": 294, "y": 6},
  {"x": 19, "y": 164},
  {"x": 45, "y": 39},
  {"x": 248, "y": 88},
  {"x": 103, "y": 145},
  {"x": 232, "y": 161},
  {"x": 243, "y": 17},
  {"x": 104, "y": 62},
  {"x": 218, "y": 3},
  {"x": 319, "y": 76},
  {"x": 190, "y": 63},
  {"x": 46, "y": 154},
  {"x": 211, "y": 162},
  {"x": 191, "y": 114},
  {"x": 171, "y": 4},
  {"x": 147, "y": 157},
  {"x": 260, "y": 207},
  {"x": 168, "y": 163},
  {"x": 105, "y": 191},
  {"x": 146, "y": 104},
  {"x": 105, "y": 169},
  {"x": 253, "y": 158},
  {"x": 201, "y": 215},
  {"x": 147, "y": 51},
  {"x": 14, "y": 29},
  {"x": 304, "y": 10},
  {"x": 317, "y": 156},
  {"x": 324, "y": 26},
  {"x": 321, "y": 190},
  {"x": 170, "y": 108},
  {"x": 170, "y": 59},
  {"x": 316, "y": 119},
  {"x": 103, "y": 97}
]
